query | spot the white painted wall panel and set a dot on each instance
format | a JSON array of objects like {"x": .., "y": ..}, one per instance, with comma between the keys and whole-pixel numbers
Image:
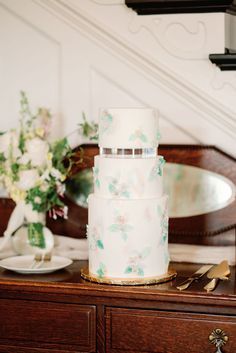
[
  {"x": 29, "y": 61},
  {"x": 79, "y": 55}
]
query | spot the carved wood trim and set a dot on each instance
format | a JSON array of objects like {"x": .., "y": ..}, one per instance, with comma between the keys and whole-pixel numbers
[{"x": 226, "y": 62}]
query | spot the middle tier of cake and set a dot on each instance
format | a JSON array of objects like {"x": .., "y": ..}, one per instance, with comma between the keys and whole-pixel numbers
[{"x": 127, "y": 177}]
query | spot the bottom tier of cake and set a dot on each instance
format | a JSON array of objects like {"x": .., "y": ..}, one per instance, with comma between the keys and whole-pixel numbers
[{"x": 128, "y": 238}]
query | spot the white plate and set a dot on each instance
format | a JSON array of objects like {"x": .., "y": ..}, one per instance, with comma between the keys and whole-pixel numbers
[{"x": 22, "y": 264}]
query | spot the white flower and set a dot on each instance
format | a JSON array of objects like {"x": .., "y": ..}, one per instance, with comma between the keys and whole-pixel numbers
[
  {"x": 44, "y": 187},
  {"x": 65, "y": 210},
  {"x": 24, "y": 159},
  {"x": 37, "y": 150},
  {"x": 37, "y": 200},
  {"x": 45, "y": 176},
  {"x": 56, "y": 173},
  {"x": 61, "y": 188},
  {"x": 27, "y": 179}
]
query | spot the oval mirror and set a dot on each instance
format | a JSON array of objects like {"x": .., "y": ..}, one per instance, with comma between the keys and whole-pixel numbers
[{"x": 194, "y": 191}]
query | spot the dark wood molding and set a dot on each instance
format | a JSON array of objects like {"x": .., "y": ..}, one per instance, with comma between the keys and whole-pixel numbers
[
  {"x": 204, "y": 229},
  {"x": 226, "y": 62},
  {"x": 151, "y": 7},
  {"x": 232, "y": 8}
]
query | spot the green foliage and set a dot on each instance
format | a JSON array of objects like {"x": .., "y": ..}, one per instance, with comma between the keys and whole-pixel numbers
[
  {"x": 43, "y": 201},
  {"x": 35, "y": 235},
  {"x": 21, "y": 144},
  {"x": 2, "y": 161},
  {"x": 61, "y": 149},
  {"x": 15, "y": 169},
  {"x": 89, "y": 130},
  {"x": 2, "y": 157},
  {"x": 25, "y": 111}
]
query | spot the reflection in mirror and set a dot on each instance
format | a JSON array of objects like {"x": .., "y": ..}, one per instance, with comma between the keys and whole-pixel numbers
[
  {"x": 192, "y": 190},
  {"x": 80, "y": 186}
]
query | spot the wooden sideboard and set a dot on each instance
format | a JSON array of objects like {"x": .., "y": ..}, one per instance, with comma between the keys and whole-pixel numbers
[{"x": 60, "y": 312}]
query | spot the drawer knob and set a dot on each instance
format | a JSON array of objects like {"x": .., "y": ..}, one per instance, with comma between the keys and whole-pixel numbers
[{"x": 218, "y": 338}]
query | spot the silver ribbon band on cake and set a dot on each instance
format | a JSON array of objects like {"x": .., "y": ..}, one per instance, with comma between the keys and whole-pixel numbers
[{"x": 134, "y": 152}]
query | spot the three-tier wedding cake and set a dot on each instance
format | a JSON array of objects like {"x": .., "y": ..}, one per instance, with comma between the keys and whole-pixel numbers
[{"x": 128, "y": 215}]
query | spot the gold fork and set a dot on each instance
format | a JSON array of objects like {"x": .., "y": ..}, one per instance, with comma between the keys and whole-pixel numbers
[
  {"x": 41, "y": 259},
  {"x": 37, "y": 259}
]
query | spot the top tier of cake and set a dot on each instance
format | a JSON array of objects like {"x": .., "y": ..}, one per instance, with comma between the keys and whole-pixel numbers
[{"x": 128, "y": 128}]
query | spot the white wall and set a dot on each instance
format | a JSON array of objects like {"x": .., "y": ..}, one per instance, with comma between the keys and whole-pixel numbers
[{"x": 79, "y": 55}]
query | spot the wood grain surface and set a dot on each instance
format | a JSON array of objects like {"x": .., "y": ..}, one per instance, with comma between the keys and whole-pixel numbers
[{"x": 60, "y": 312}]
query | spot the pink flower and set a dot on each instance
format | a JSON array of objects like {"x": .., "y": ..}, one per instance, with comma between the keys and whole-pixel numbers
[{"x": 121, "y": 219}]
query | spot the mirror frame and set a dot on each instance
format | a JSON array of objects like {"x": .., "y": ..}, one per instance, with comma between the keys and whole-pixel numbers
[
  {"x": 206, "y": 229},
  {"x": 203, "y": 228}
]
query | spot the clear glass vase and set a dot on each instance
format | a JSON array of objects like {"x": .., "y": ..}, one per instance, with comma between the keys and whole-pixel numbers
[{"x": 33, "y": 236}]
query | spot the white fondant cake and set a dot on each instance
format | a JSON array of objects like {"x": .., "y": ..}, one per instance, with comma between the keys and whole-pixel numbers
[
  {"x": 128, "y": 214},
  {"x": 128, "y": 128}
]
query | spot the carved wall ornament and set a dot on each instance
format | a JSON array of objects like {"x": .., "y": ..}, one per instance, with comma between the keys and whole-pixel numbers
[
  {"x": 167, "y": 31},
  {"x": 223, "y": 79}
]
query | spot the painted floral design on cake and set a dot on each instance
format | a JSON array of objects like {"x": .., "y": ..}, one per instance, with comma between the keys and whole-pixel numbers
[
  {"x": 121, "y": 226},
  {"x": 156, "y": 140},
  {"x": 157, "y": 170},
  {"x": 101, "y": 271},
  {"x": 158, "y": 135},
  {"x": 164, "y": 224},
  {"x": 96, "y": 177},
  {"x": 136, "y": 263},
  {"x": 118, "y": 189},
  {"x": 95, "y": 241},
  {"x": 138, "y": 135},
  {"x": 105, "y": 123}
]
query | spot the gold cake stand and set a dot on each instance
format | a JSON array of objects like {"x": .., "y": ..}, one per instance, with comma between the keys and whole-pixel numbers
[{"x": 171, "y": 274}]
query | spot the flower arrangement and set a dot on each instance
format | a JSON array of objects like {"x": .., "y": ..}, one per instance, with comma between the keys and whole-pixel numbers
[{"x": 32, "y": 169}]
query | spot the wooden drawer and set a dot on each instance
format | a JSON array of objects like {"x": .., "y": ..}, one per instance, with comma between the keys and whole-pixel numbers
[
  {"x": 131, "y": 330},
  {"x": 68, "y": 327}
]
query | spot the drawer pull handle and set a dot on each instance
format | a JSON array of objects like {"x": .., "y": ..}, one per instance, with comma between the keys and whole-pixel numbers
[{"x": 218, "y": 338}]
